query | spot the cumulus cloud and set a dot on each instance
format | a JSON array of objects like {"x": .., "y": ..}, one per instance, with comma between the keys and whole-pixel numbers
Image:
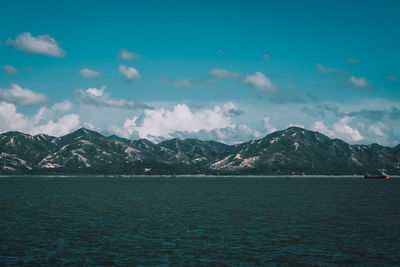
[
  {"x": 345, "y": 131},
  {"x": 232, "y": 110},
  {"x": 230, "y": 135},
  {"x": 48, "y": 113},
  {"x": 162, "y": 123},
  {"x": 352, "y": 60},
  {"x": 18, "y": 95},
  {"x": 130, "y": 73},
  {"x": 41, "y": 44},
  {"x": 261, "y": 82},
  {"x": 97, "y": 97},
  {"x": 96, "y": 92},
  {"x": 319, "y": 126},
  {"x": 324, "y": 69},
  {"x": 9, "y": 70},
  {"x": 11, "y": 120},
  {"x": 186, "y": 83},
  {"x": 124, "y": 54},
  {"x": 62, "y": 126},
  {"x": 88, "y": 73},
  {"x": 267, "y": 125},
  {"x": 340, "y": 129},
  {"x": 359, "y": 82},
  {"x": 222, "y": 74},
  {"x": 382, "y": 133}
]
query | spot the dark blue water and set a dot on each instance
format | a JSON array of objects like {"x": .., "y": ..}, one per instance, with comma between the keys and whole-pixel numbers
[{"x": 206, "y": 221}]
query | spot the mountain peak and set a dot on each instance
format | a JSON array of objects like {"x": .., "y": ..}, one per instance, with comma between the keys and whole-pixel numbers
[
  {"x": 82, "y": 132},
  {"x": 14, "y": 133},
  {"x": 295, "y": 129}
]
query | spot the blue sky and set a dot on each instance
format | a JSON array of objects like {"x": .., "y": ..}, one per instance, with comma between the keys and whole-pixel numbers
[{"x": 201, "y": 69}]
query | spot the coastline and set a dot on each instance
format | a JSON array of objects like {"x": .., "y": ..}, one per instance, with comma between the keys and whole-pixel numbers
[{"x": 191, "y": 176}]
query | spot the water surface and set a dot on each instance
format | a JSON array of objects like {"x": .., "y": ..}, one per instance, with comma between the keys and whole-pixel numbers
[{"x": 199, "y": 220}]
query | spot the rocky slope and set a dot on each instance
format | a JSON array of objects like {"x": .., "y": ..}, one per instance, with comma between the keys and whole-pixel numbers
[{"x": 292, "y": 151}]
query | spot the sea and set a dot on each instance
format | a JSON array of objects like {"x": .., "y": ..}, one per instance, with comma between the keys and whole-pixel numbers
[{"x": 186, "y": 221}]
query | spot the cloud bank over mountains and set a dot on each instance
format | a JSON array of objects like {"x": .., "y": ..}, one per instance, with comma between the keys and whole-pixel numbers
[{"x": 267, "y": 101}]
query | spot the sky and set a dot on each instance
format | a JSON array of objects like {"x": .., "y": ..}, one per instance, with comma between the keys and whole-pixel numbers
[{"x": 213, "y": 70}]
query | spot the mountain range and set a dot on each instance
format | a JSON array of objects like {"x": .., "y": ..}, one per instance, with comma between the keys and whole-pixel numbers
[{"x": 291, "y": 151}]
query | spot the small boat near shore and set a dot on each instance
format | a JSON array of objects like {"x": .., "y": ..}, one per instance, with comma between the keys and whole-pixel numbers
[
  {"x": 368, "y": 176},
  {"x": 382, "y": 175}
]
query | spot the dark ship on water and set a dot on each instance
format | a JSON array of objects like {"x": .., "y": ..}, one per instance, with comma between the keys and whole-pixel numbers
[{"x": 381, "y": 175}]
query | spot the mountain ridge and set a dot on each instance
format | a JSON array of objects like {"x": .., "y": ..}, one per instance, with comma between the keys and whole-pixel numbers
[{"x": 291, "y": 151}]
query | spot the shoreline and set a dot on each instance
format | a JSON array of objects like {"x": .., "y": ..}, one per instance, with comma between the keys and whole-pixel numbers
[{"x": 191, "y": 176}]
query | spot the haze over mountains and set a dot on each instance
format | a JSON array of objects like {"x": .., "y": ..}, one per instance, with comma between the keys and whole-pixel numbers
[{"x": 291, "y": 151}]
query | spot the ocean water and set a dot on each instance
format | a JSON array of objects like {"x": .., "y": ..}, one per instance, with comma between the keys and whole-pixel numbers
[{"x": 199, "y": 221}]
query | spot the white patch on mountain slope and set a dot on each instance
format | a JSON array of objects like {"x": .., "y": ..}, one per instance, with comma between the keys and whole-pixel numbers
[
  {"x": 10, "y": 142},
  {"x": 296, "y": 145},
  {"x": 220, "y": 164},
  {"x": 237, "y": 156},
  {"x": 49, "y": 165},
  {"x": 276, "y": 139},
  {"x": 249, "y": 162}
]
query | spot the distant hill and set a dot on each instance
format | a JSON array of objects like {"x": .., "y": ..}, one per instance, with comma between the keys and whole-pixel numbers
[{"x": 291, "y": 151}]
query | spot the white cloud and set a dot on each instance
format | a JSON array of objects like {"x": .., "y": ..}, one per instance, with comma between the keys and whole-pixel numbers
[
  {"x": 183, "y": 122},
  {"x": 340, "y": 129},
  {"x": 319, "y": 126},
  {"x": 45, "y": 113},
  {"x": 323, "y": 69},
  {"x": 267, "y": 125},
  {"x": 261, "y": 82},
  {"x": 382, "y": 133},
  {"x": 19, "y": 95},
  {"x": 88, "y": 73},
  {"x": 95, "y": 91},
  {"x": 163, "y": 123},
  {"x": 378, "y": 129},
  {"x": 129, "y": 72},
  {"x": 89, "y": 125},
  {"x": 10, "y": 70},
  {"x": 62, "y": 126},
  {"x": 41, "y": 44},
  {"x": 343, "y": 130},
  {"x": 222, "y": 74},
  {"x": 11, "y": 120},
  {"x": 97, "y": 97},
  {"x": 358, "y": 82},
  {"x": 126, "y": 55},
  {"x": 232, "y": 110}
]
